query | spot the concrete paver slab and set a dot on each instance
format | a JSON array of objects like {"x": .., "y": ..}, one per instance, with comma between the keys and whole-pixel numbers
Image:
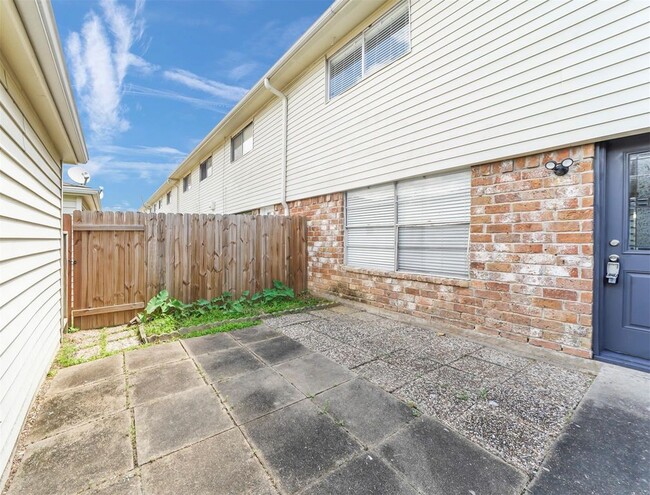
[
  {"x": 489, "y": 372},
  {"x": 606, "y": 447},
  {"x": 85, "y": 373},
  {"x": 279, "y": 349},
  {"x": 126, "y": 484},
  {"x": 299, "y": 444},
  {"x": 154, "y": 355},
  {"x": 514, "y": 440},
  {"x": 178, "y": 420},
  {"x": 387, "y": 376},
  {"x": 289, "y": 319},
  {"x": 367, "y": 411},
  {"x": 364, "y": 475},
  {"x": 348, "y": 356},
  {"x": 439, "y": 462},
  {"x": 568, "y": 382},
  {"x": 225, "y": 364},
  {"x": 223, "y": 464},
  {"x": 156, "y": 382},
  {"x": 505, "y": 359},
  {"x": 257, "y": 393},
  {"x": 408, "y": 361},
  {"x": 310, "y": 338},
  {"x": 314, "y": 373},
  {"x": 254, "y": 334},
  {"x": 209, "y": 343},
  {"x": 443, "y": 349},
  {"x": 64, "y": 410},
  {"x": 76, "y": 459},
  {"x": 444, "y": 393}
]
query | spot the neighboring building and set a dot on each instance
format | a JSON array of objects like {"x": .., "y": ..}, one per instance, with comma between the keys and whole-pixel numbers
[
  {"x": 83, "y": 198},
  {"x": 39, "y": 129},
  {"x": 415, "y": 144}
]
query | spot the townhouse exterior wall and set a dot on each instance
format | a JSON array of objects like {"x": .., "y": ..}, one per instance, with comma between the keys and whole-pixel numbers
[{"x": 530, "y": 255}]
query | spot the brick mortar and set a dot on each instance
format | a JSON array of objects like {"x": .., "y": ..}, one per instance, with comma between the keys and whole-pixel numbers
[{"x": 531, "y": 256}]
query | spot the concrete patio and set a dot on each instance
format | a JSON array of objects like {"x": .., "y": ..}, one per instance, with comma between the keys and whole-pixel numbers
[{"x": 332, "y": 401}]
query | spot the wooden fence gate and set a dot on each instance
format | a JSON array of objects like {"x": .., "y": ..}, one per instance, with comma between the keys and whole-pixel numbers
[{"x": 120, "y": 260}]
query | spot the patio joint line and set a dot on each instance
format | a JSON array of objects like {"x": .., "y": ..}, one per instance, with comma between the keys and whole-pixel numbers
[{"x": 132, "y": 429}]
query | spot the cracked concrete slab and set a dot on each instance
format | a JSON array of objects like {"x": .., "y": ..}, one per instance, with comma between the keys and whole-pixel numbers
[
  {"x": 430, "y": 454},
  {"x": 209, "y": 343},
  {"x": 64, "y": 410},
  {"x": 299, "y": 444},
  {"x": 314, "y": 373},
  {"x": 159, "y": 381},
  {"x": 279, "y": 349},
  {"x": 178, "y": 420},
  {"x": 154, "y": 356},
  {"x": 368, "y": 412},
  {"x": 257, "y": 393},
  {"x": 77, "y": 459},
  {"x": 87, "y": 373},
  {"x": 221, "y": 464},
  {"x": 364, "y": 475},
  {"x": 225, "y": 364}
]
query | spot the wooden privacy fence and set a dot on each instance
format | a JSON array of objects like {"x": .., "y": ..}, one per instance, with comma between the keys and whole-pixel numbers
[{"x": 120, "y": 260}]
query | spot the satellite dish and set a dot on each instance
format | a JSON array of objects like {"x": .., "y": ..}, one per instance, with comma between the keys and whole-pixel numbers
[
  {"x": 79, "y": 175},
  {"x": 101, "y": 192}
]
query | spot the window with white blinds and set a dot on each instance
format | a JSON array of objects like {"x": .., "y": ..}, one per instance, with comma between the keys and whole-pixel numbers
[
  {"x": 418, "y": 226},
  {"x": 241, "y": 143},
  {"x": 383, "y": 42}
]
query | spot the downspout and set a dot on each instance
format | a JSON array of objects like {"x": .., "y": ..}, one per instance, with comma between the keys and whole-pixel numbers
[{"x": 285, "y": 112}]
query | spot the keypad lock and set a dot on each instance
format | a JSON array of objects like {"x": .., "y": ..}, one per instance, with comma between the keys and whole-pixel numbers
[{"x": 613, "y": 269}]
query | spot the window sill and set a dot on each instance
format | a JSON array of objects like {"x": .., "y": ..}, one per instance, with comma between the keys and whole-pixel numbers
[{"x": 418, "y": 277}]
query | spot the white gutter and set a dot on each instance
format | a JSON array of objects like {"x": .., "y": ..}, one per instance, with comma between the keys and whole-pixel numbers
[{"x": 285, "y": 115}]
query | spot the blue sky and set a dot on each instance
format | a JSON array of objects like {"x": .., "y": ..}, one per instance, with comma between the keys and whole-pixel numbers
[{"x": 152, "y": 78}]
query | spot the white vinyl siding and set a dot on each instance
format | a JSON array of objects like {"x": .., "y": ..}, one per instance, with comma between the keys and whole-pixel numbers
[
  {"x": 416, "y": 226},
  {"x": 383, "y": 42},
  {"x": 483, "y": 81},
  {"x": 30, "y": 262}
]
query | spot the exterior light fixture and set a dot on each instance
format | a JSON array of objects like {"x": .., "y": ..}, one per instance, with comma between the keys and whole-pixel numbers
[{"x": 559, "y": 168}]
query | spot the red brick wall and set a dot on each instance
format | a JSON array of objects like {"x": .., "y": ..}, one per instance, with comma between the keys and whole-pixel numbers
[{"x": 531, "y": 256}]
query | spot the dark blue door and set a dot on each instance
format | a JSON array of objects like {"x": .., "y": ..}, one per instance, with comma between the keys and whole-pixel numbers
[{"x": 626, "y": 209}]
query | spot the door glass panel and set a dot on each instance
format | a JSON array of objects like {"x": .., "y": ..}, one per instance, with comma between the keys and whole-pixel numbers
[{"x": 639, "y": 201}]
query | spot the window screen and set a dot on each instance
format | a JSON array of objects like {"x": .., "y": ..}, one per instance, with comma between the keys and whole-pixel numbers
[
  {"x": 383, "y": 42},
  {"x": 418, "y": 226}
]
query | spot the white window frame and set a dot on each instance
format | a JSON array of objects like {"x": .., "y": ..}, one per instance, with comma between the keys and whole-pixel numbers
[
  {"x": 396, "y": 224},
  {"x": 207, "y": 166},
  {"x": 362, "y": 36},
  {"x": 235, "y": 136},
  {"x": 187, "y": 182}
]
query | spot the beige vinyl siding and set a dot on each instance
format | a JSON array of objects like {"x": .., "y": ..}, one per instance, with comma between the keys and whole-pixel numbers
[
  {"x": 483, "y": 81},
  {"x": 254, "y": 179},
  {"x": 189, "y": 200},
  {"x": 211, "y": 188},
  {"x": 30, "y": 261}
]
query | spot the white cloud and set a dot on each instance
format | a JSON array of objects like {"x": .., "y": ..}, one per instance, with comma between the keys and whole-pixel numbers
[
  {"x": 171, "y": 95},
  {"x": 101, "y": 56},
  {"x": 140, "y": 150},
  {"x": 119, "y": 170},
  {"x": 242, "y": 70},
  {"x": 214, "y": 88}
]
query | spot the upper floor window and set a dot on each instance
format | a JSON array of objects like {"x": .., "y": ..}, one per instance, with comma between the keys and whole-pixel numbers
[
  {"x": 241, "y": 143},
  {"x": 187, "y": 182},
  {"x": 380, "y": 44},
  {"x": 205, "y": 169},
  {"x": 169, "y": 197},
  {"x": 160, "y": 204}
]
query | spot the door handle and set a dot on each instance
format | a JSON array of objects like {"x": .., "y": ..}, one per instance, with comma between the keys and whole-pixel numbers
[{"x": 613, "y": 269}]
